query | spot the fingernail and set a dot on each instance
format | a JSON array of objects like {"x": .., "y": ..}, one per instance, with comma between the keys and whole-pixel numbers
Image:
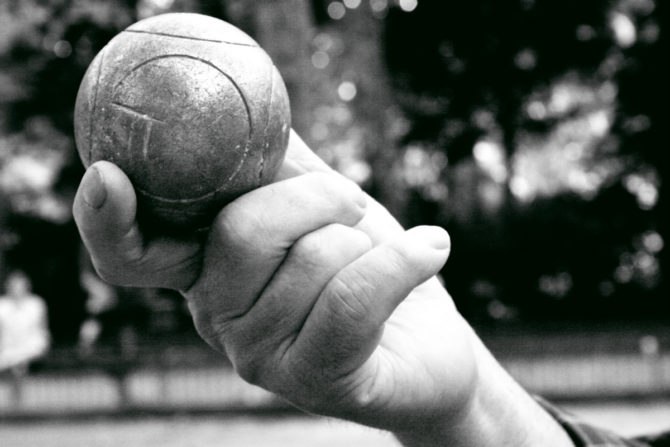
[
  {"x": 437, "y": 238},
  {"x": 93, "y": 188}
]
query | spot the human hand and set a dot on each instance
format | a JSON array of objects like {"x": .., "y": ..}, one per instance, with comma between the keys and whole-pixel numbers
[{"x": 313, "y": 291}]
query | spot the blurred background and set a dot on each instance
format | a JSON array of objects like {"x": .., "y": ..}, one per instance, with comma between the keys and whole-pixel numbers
[{"x": 534, "y": 131}]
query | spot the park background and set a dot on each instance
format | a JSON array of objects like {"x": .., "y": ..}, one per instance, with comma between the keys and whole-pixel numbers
[{"x": 534, "y": 131}]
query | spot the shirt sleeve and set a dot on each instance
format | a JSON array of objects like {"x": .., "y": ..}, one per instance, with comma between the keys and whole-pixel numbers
[{"x": 585, "y": 435}]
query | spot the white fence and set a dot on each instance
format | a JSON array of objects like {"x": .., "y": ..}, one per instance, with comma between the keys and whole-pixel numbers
[{"x": 215, "y": 387}]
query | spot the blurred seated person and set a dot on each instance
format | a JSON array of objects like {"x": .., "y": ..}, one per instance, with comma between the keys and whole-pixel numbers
[
  {"x": 24, "y": 332},
  {"x": 316, "y": 293}
]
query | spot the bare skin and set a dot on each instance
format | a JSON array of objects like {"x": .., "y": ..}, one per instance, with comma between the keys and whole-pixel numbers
[{"x": 316, "y": 293}]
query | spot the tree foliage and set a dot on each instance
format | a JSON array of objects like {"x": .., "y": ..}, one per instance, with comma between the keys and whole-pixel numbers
[
  {"x": 557, "y": 109},
  {"x": 533, "y": 130}
]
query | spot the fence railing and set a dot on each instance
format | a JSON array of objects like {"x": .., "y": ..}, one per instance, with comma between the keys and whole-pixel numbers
[{"x": 193, "y": 378}]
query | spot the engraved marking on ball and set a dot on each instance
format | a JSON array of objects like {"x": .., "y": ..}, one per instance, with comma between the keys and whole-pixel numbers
[
  {"x": 199, "y": 39},
  {"x": 138, "y": 117},
  {"x": 93, "y": 109},
  {"x": 261, "y": 166},
  {"x": 247, "y": 109}
]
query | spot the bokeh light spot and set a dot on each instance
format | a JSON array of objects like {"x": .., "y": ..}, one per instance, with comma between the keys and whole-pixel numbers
[
  {"x": 491, "y": 159},
  {"x": 624, "y": 30},
  {"x": 585, "y": 33},
  {"x": 408, "y": 5},
  {"x": 525, "y": 59},
  {"x": 347, "y": 91},
  {"x": 378, "y": 6},
  {"x": 536, "y": 111},
  {"x": 320, "y": 59},
  {"x": 336, "y": 10},
  {"x": 652, "y": 241},
  {"x": 62, "y": 49}
]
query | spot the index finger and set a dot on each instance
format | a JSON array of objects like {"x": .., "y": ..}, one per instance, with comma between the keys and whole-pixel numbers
[
  {"x": 378, "y": 223},
  {"x": 300, "y": 159}
]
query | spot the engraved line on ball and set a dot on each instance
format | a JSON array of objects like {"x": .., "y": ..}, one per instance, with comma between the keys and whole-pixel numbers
[
  {"x": 142, "y": 117},
  {"x": 93, "y": 106},
  {"x": 261, "y": 166},
  {"x": 247, "y": 109},
  {"x": 199, "y": 39}
]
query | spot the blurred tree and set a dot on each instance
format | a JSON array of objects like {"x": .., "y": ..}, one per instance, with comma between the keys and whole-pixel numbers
[
  {"x": 642, "y": 126},
  {"x": 546, "y": 199},
  {"x": 46, "y": 47},
  {"x": 285, "y": 29},
  {"x": 350, "y": 42},
  {"x": 534, "y": 130}
]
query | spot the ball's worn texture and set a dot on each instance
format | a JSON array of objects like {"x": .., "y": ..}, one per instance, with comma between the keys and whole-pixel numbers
[{"x": 190, "y": 108}]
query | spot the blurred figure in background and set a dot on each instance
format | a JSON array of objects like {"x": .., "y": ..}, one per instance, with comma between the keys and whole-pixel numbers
[
  {"x": 101, "y": 298},
  {"x": 24, "y": 332}
]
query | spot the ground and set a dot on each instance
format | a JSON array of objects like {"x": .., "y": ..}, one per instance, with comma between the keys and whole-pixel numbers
[{"x": 294, "y": 431}]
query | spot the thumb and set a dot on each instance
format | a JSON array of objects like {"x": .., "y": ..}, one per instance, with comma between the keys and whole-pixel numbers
[{"x": 104, "y": 210}]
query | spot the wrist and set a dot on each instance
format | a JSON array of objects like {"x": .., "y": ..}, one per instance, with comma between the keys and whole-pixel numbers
[{"x": 498, "y": 413}]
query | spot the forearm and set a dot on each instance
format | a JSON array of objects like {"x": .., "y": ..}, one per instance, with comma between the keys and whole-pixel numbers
[{"x": 500, "y": 413}]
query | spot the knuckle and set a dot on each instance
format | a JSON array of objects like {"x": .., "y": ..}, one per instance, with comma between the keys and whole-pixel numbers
[
  {"x": 358, "y": 240},
  {"x": 206, "y": 326},
  {"x": 310, "y": 251},
  {"x": 228, "y": 221},
  {"x": 247, "y": 367},
  {"x": 238, "y": 229},
  {"x": 339, "y": 232},
  {"x": 120, "y": 271},
  {"x": 359, "y": 392},
  {"x": 310, "y": 244},
  {"x": 345, "y": 243},
  {"x": 110, "y": 274},
  {"x": 317, "y": 245},
  {"x": 128, "y": 253},
  {"x": 244, "y": 349},
  {"x": 252, "y": 362}
]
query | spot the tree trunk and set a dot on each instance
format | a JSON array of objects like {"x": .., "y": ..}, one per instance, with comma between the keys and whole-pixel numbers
[{"x": 284, "y": 28}]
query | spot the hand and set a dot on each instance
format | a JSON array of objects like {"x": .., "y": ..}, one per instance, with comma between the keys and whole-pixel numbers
[{"x": 314, "y": 292}]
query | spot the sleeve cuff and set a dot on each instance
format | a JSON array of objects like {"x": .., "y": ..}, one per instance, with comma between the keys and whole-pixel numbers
[{"x": 585, "y": 435}]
